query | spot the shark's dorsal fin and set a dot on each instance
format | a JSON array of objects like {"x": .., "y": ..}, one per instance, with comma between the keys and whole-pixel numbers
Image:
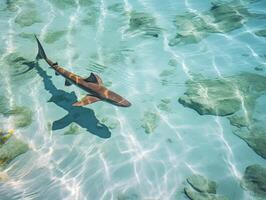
[
  {"x": 94, "y": 78},
  {"x": 87, "y": 100},
  {"x": 67, "y": 83}
]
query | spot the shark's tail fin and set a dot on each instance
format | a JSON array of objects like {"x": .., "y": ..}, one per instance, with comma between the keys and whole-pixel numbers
[{"x": 41, "y": 54}]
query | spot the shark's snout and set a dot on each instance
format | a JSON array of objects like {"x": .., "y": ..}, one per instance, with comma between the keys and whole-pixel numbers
[{"x": 123, "y": 103}]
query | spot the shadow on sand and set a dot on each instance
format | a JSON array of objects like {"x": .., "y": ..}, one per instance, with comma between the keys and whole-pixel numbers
[{"x": 82, "y": 116}]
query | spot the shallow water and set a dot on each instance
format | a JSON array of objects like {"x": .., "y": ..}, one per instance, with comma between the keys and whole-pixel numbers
[{"x": 146, "y": 151}]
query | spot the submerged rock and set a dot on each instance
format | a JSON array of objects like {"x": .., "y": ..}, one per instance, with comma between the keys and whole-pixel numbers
[
  {"x": 110, "y": 123},
  {"x": 72, "y": 130},
  {"x": 235, "y": 96},
  {"x": 143, "y": 23},
  {"x": 224, "y": 96},
  {"x": 255, "y": 180},
  {"x": 21, "y": 114},
  {"x": 25, "y": 35},
  {"x": 255, "y": 138},
  {"x": 185, "y": 39},
  {"x": 116, "y": 55},
  {"x": 51, "y": 37},
  {"x": 27, "y": 17},
  {"x": 166, "y": 73},
  {"x": 221, "y": 18},
  {"x": 238, "y": 121},
  {"x": 15, "y": 5},
  {"x": 166, "y": 101},
  {"x": 259, "y": 68},
  {"x": 201, "y": 188},
  {"x": 211, "y": 97},
  {"x": 150, "y": 121},
  {"x": 228, "y": 16},
  {"x": 173, "y": 63},
  {"x": 164, "y": 105},
  {"x": 11, "y": 5},
  {"x": 10, "y": 150},
  {"x": 202, "y": 184},
  {"x": 193, "y": 195},
  {"x": 261, "y": 33},
  {"x": 191, "y": 29}
]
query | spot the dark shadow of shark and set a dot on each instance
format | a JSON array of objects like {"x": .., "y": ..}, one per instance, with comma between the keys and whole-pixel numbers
[{"x": 82, "y": 116}]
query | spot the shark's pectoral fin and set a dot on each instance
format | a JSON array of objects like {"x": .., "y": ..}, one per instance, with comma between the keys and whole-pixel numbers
[
  {"x": 56, "y": 73},
  {"x": 94, "y": 78},
  {"x": 67, "y": 83},
  {"x": 87, "y": 100}
]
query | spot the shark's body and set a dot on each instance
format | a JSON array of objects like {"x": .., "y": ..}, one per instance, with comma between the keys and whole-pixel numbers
[{"x": 93, "y": 84}]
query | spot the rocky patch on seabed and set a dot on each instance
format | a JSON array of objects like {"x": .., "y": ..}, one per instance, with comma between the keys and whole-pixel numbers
[
  {"x": 11, "y": 149},
  {"x": 53, "y": 36},
  {"x": 234, "y": 97},
  {"x": 143, "y": 23},
  {"x": 8, "y": 152},
  {"x": 150, "y": 121},
  {"x": 199, "y": 187},
  {"x": 22, "y": 115},
  {"x": 254, "y": 180},
  {"x": 261, "y": 33},
  {"x": 224, "y": 96},
  {"x": 255, "y": 138},
  {"x": 222, "y": 17},
  {"x": 27, "y": 15}
]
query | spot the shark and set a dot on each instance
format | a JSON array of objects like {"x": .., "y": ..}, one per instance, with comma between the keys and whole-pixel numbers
[{"x": 93, "y": 84}]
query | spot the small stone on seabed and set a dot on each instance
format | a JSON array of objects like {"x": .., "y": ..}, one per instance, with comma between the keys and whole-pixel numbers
[{"x": 150, "y": 121}]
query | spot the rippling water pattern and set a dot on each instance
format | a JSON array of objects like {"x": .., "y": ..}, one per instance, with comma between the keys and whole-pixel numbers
[{"x": 193, "y": 70}]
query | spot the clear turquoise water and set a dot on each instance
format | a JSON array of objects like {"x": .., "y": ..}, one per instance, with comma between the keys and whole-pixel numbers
[{"x": 110, "y": 156}]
